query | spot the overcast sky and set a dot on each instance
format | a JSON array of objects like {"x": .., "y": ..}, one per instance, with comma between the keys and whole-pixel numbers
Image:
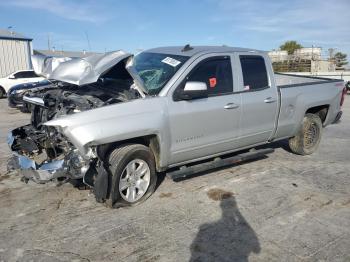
[{"x": 140, "y": 24}]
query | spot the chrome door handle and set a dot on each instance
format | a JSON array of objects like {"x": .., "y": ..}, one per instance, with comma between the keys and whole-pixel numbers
[
  {"x": 231, "y": 106},
  {"x": 269, "y": 100}
]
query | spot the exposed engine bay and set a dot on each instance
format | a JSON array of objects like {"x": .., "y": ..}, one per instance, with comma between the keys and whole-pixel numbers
[
  {"x": 69, "y": 99},
  {"x": 62, "y": 98}
]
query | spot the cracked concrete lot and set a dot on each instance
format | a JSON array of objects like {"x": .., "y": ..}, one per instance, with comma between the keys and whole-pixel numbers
[{"x": 281, "y": 208}]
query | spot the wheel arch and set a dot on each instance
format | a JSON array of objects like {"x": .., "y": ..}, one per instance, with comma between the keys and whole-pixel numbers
[
  {"x": 151, "y": 141},
  {"x": 321, "y": 111}
]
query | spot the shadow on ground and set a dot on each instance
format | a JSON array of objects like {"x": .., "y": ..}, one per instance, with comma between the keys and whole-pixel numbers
[{"x": 228, "y": 239}]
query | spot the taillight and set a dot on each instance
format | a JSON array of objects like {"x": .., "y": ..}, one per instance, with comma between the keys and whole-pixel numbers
[{"x": 343, "y": 96}]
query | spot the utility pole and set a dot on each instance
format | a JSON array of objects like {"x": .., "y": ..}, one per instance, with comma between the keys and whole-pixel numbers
[
  {"x": 48, "y": 41},
  {"x": 331, "y": 57},
  {"x": 331, "y": 53},
  {"x": 88, "y": 40}
]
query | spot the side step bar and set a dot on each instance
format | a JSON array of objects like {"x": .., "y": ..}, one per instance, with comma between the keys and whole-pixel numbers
[{"x": 185, "y": 171}]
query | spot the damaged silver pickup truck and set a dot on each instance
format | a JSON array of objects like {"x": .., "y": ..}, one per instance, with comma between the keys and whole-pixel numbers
[{"x": 115, "y": 120}]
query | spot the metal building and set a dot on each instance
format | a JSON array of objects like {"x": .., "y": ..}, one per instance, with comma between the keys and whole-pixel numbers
[{"x": 15, "y": 52}]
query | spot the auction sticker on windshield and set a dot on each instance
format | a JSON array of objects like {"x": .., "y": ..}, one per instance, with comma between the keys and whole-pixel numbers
[{"x": 171, "y": 61}]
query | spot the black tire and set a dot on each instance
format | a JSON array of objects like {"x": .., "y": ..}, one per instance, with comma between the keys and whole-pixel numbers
[
  {"x": 24, "y": 108},
  {"x": 118, "y": 160},
  {"x": 308, "y": 137},
  {"x": 78, "y": 183},
  {"x": 2, "y": 92}
]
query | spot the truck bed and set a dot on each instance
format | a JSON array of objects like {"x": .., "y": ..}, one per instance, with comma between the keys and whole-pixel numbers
[
  {"x": 289, "y": 80},
  {"x": 299, "y": 93}
]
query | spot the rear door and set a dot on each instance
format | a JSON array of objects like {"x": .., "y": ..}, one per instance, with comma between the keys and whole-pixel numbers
[
  {"x": 259, "y": 99},
  {"x": 206, "y": 126}
]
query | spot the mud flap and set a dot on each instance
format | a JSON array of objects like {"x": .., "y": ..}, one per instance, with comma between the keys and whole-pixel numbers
[{"x": 101, "y": 183}]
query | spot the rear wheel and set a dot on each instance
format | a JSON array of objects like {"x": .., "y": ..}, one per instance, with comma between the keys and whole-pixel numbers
[
  {"x": 133, "y": 175},
  {"x": 308, "y": 137}
]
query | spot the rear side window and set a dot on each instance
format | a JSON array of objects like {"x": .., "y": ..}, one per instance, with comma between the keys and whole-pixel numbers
[
  {"x": 254, "y": 72},
  {"x": 216, "y": 73}
]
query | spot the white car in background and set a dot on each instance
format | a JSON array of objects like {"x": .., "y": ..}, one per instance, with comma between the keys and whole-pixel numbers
[{"x": 18, "y": 77}]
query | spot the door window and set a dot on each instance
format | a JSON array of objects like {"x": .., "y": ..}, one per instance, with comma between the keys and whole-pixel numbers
[
  {"x": 254, "y": 72},
  {"x": 216, "y": 73}
]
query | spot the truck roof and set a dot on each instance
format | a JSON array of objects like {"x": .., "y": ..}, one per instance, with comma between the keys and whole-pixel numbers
[{"x": 193, "y": 50}]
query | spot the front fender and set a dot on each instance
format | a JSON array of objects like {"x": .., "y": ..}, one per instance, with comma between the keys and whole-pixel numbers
[{"x": 114, "y": 123}]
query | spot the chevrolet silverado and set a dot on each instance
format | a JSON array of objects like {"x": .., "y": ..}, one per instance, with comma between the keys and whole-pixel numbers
[{"x": 115, "y": 120}]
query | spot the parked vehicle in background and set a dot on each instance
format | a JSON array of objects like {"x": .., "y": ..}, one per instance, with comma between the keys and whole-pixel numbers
[
  {"x": 18, "y": 77},
  {"x": 182, "y": 105},
  {"x": 16, "y": 93}
]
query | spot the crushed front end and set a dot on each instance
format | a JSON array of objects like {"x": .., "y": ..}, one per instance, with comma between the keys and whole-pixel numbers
[{"x": 45, "y": 154}]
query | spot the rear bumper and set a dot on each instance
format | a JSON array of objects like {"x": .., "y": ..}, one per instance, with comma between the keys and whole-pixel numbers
[{"x": 337, "y": 118}]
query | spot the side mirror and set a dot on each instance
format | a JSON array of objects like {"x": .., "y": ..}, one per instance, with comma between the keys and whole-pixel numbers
[
  {"x": 12, "y": 77},
  {"x": 193, "y": 90}
]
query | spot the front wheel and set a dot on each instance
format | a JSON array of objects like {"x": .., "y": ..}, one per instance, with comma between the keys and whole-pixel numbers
[
  {"x": 308, "y": 137},
  {"x": 133, "y": 175}
]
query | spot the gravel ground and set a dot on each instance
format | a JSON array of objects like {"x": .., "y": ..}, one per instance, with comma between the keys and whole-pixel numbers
[{"x": 281, "y": 208}]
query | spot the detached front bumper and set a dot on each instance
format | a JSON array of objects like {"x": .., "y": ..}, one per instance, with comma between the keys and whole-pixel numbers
[
  {"x": 70, "y": 166},
  {"x": 37, "y": 173}
]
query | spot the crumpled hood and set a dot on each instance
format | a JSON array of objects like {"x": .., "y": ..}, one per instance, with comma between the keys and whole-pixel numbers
[
  {"x": 45, "y": 65},
  {"x": 77, "y": 71}
]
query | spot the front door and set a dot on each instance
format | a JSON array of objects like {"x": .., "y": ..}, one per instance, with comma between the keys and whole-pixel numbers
[{"x": 206, "y": 126}]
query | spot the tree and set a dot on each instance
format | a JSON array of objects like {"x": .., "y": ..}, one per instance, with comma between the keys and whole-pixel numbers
[
  {"x": 290, "y": 46},
  {"x": 340, "y": 59}
]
